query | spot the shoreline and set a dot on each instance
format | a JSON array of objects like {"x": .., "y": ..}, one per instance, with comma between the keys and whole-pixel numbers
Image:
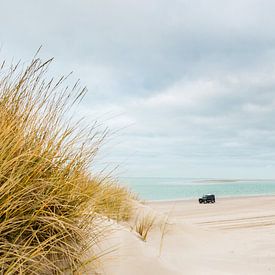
[{"x": 217, "y": 198}]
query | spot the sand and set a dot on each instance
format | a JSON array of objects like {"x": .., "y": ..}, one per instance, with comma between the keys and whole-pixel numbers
[{"x": 232, "y": 236}]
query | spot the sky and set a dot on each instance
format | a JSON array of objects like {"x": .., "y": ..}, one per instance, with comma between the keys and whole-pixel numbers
[{"x": 186, "y": 87}]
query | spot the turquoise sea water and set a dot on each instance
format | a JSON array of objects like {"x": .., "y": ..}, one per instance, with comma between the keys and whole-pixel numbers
[{"x": 187, "y": 188}]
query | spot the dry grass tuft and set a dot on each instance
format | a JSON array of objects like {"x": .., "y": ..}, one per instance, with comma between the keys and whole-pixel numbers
[
  {"x": 114, "y": 202},
  {"x": 144, "y": 225},
  {"x": 163, "y": 232},
  {"x": 49, "y": 204}
]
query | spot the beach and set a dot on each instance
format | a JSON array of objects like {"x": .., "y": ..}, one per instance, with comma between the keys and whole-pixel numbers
[{"x": 231, "y": 236}]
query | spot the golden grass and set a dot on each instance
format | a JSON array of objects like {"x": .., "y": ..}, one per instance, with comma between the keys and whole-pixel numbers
[
  {"x": 49, "y": 203},
  {"x": 144, "y": 224},
  {"x": 114, "y": 201}
]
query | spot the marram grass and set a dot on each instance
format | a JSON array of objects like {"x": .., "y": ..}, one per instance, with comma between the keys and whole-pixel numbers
[
  {"x": 144, "y": 225},
  {"x": 50, "y": 205}
]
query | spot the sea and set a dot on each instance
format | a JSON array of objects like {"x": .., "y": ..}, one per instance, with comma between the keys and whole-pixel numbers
[{"x": 192, "y": 188}]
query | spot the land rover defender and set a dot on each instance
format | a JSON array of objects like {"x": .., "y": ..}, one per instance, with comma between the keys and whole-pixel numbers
[{"x": 209, "y": 198}]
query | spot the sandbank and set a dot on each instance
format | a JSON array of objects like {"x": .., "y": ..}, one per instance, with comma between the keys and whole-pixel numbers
[{"x": 232, "y": 236}]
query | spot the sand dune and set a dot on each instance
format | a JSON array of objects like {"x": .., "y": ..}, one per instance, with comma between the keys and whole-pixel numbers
[{"x": 232, "y": 236}]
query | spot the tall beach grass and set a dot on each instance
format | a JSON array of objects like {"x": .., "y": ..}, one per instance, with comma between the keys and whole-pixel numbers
[{"x": 51, "y": 206}]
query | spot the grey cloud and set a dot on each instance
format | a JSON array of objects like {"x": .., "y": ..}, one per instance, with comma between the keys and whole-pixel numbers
[{"x": 192, "y": 82}]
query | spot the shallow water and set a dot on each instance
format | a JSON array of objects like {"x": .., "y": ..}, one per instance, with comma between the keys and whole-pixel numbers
[{"x": 185, "y": 188}]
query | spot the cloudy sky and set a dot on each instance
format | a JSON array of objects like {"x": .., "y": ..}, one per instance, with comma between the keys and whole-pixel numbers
[{"x": 188, "y": 87}]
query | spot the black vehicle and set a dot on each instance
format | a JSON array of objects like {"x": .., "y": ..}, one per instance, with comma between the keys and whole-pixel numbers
[{"x": 210, "y": 198}]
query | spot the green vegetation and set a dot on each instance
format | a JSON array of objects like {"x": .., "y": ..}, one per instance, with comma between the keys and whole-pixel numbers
[{"x": 51, "y": 208}]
